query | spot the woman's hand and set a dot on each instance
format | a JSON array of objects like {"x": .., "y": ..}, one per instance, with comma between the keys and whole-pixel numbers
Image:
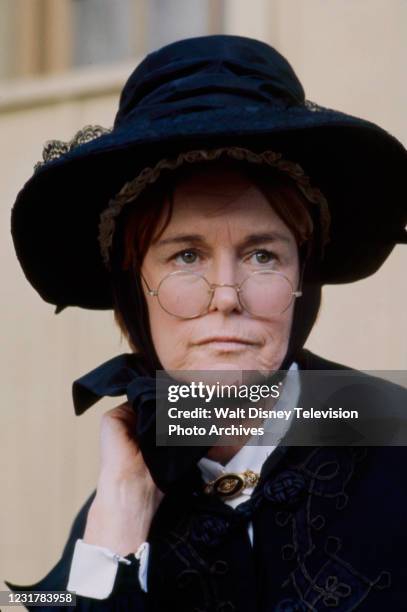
[{"x": 126, "y": 497}]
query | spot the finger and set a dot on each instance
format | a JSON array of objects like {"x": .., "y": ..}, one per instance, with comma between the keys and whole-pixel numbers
[
  {"x": 124, "y": 410},
  {"x": 120, "y": 420},
  {"x": 123, "y": 413}
]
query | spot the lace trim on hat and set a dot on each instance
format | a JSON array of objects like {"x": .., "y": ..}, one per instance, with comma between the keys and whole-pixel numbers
[
  {"x": 55, "y": 148},
  {"x": 149, "y": 175}
]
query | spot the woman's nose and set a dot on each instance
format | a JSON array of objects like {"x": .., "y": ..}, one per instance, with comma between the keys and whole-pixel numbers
[
  {"x": 225, "y": 298},
  {"x": 224, "y": 278}
]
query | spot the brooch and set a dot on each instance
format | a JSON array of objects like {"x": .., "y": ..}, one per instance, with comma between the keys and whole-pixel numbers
[{"x": 231, "y": 484}]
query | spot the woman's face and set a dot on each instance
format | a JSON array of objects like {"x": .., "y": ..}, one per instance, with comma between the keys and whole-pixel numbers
[{"x": 221, "y": 209}]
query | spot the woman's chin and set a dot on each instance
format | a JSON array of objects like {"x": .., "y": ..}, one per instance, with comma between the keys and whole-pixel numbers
[{"x": 223, "y": 363}]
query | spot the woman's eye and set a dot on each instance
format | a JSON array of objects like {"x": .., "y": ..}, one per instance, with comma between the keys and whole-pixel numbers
[
  {"x": 191, "y": 256},
  {"x": 187, "y": 256},
  {"x": 263, "y": 256}
]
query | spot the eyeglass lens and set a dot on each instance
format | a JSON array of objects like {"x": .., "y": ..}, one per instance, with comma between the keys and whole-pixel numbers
[{"x": 188, "y": 295}]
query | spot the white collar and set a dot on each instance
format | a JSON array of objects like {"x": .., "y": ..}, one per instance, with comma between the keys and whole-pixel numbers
[{"x": 252, "y": 456}]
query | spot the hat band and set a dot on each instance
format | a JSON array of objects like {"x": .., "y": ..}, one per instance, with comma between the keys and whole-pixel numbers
[{"x": 149, "y": 175}]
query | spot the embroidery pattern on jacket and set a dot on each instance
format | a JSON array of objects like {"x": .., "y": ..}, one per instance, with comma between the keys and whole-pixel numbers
[{"x": 322, "y": 579}]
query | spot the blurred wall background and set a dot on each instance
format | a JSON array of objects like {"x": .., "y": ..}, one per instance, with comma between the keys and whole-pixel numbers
[{"x": 62, "y": 65}]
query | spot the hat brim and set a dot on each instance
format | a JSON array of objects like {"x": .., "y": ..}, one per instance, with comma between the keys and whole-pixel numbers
[{"x": 359, "y": 167}]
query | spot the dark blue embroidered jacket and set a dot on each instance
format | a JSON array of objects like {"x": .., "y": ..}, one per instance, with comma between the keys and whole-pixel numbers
[{"x": 329, "y": 526}]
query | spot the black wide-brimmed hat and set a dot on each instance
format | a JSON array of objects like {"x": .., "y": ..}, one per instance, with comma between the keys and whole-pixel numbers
[{"x": 204, "y": 94}]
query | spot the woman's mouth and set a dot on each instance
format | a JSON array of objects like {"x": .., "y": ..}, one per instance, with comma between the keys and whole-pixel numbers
[{"x": 225, "y": 343}]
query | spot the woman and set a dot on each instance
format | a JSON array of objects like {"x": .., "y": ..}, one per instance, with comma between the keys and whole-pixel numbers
[{"x": 219, "y": 175}]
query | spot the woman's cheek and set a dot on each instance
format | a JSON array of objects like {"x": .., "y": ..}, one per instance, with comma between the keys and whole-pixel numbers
[
  {"x": 171, "y": 346},
  {"x": 173, "y": 341},
  {"x": 277, "y": 339}
]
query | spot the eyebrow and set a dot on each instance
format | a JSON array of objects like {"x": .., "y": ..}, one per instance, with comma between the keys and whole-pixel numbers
[{"x": 249, "y": 240}]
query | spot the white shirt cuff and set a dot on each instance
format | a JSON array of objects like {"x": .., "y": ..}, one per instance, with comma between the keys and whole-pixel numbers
[{"x": 94, "y": 568}]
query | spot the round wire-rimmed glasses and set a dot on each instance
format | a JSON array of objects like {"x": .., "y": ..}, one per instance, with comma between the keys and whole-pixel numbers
[{"x": 187, "y": 295}]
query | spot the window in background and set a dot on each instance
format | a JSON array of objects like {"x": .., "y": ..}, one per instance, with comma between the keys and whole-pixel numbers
[
  {"x": 103, "y": 31},
  {"x": 169, "y": 21},
  {"x": 52, "y": 36}
]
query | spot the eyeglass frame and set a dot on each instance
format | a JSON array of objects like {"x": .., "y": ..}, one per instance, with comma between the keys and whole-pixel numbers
[{"x": 213, "y": 286}]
